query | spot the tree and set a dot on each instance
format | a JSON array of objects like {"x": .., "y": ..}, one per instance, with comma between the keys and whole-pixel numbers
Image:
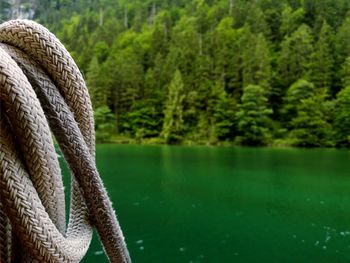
[
  {"x": 227, "y": 60},
  {"x": 322, "y": 59},
  {"x": 342, "y": 51},
  {"x": 161, "y": 34},
  {"x": 256, "y": 20},
  {"x": 256, "y": 67},
  {"x": 331, "y": 11},
  {"x": 124, "y": 70},
  {"x": 291, "y": 20},
  {"x": 292, "y": 63},
  {"x": 5, "y": 10},
  {"x": 311, "y": 126},
  {"x": 173, "y": 112},
  {"x": 342, "y": 117},
  {"x": 99, "y": 93},
  {"x": 197, "y": 103},
  {"x": 186, "y": 40},
  {"x": 104, "y": 124},
  {"x": 253, "y": 116},
  {"x": 345, "y": 73},
  {"x": 295, "y": 57},
  {"x": 342, "y": 43},
  {"x": 300, "y": 90},
  {"x": 143, "y": 120},
  {"x": 224, "y": 110}
]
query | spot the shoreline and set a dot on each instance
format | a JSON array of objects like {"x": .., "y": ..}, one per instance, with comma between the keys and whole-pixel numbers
[{"x": 188, "y": 143}]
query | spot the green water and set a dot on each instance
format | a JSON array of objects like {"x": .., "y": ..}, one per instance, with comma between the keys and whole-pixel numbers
[{"x": 181, "y": 204}]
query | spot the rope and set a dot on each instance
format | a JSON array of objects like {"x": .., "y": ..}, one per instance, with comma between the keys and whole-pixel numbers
[{"x": 42, "y": 91}]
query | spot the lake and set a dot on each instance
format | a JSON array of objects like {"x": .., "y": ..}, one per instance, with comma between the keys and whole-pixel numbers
[{"x": 212, "y": 204}]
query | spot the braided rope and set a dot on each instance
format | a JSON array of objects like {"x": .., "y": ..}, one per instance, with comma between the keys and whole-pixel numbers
[{"x": 42, "y": 88}]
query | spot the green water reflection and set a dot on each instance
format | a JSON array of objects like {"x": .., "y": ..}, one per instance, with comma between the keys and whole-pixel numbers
[{"x": 181, "y": 204}]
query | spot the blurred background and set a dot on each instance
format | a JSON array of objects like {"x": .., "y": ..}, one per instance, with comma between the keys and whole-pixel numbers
[{"x": 230, "y": 72}]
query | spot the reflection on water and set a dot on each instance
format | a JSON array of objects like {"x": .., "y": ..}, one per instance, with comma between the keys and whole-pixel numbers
[{"x": 180, "y": 204}]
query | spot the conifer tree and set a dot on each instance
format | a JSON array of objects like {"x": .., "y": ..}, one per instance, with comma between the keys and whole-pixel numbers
[
  {"x": 311, "y": 126},
  {"x": 256, "y": 20},
  {"x": 322, "y": 60},
  {"x": 224, "y": 110},
  {"x": 253, "y": 116},
  {"x": 227, "y": 56},
  {"x": 342, "y": 50},
  {"x": 342, "y": 43},
  {"x": 173, "y": 112},
  {"x": 5, "y": 10},
  {"x": 345, "y": 73},
  {"x": 295, "y": 56},
  {"x": 256, "y": 67},
  {"x": 342, "y": 117},
  {"x": 291, "y": 20},
  {"x": 98, "y": 92},
  {"x": 298, "y": 91},
  {"x": 104, "y": 124}
]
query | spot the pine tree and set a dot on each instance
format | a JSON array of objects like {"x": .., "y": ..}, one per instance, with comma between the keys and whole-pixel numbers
[
  {"x": 256, "y": 67},
  {"x": 256, "y": 20},
  {"x": 173, "y": 113},
  {"x": 197, "y": 111},
  {"x": 311, "y": 126},
  {"x": 295, "y": 57},
  {"x": 291, "y": 20},
  {"x": 5, "y": 10},
  {"x": 126, "y": 76},
  {"x": 143, "y": 120},
  {"x": 104, "y": 124},
  {"x": 342, "y": 117},
  {"x": 342, "y": 51},
  {"x": 224, "y": 110},
  {"x": 253, "y": 116},
  {"x": 298, "y": 91},
  {"x": 160, "y": 34},
  {"x": 227, "y": 56},
  {"x": 188, "y": 47},
  {"x": 98, "y": 92},
  {"x": 345, "y": 73},
  {"x": 322, "y": 59},
  {"x": 342, "y": 43}
]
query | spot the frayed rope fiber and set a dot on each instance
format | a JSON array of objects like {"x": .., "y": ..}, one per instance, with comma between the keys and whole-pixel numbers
[{"x": 43, "y": 91}]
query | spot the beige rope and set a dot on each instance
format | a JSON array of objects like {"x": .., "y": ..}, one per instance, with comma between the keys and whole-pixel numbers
[{"x": 32, "y": 208}]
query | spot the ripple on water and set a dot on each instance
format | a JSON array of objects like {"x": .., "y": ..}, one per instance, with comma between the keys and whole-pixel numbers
[{"x": 198, "y": 259}]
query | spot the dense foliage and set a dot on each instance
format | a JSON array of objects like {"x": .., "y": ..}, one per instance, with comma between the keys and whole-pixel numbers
[{"x": 258, "y": 72}]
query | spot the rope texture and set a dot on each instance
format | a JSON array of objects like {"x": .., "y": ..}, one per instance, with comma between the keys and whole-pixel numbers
[{"x": 43, "y": 91}]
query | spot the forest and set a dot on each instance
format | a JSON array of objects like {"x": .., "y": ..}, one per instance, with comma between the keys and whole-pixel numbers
[{"x": 225, "y": 72}]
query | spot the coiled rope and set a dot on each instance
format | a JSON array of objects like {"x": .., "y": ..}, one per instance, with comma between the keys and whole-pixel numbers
[{"x": 42, "y": 88}]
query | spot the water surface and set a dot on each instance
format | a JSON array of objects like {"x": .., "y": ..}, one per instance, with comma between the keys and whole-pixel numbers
[{"x": 199, "y": 204}]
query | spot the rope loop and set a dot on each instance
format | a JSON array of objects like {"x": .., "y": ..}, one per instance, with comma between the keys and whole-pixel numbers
[{"x": 43, "y": 93}]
